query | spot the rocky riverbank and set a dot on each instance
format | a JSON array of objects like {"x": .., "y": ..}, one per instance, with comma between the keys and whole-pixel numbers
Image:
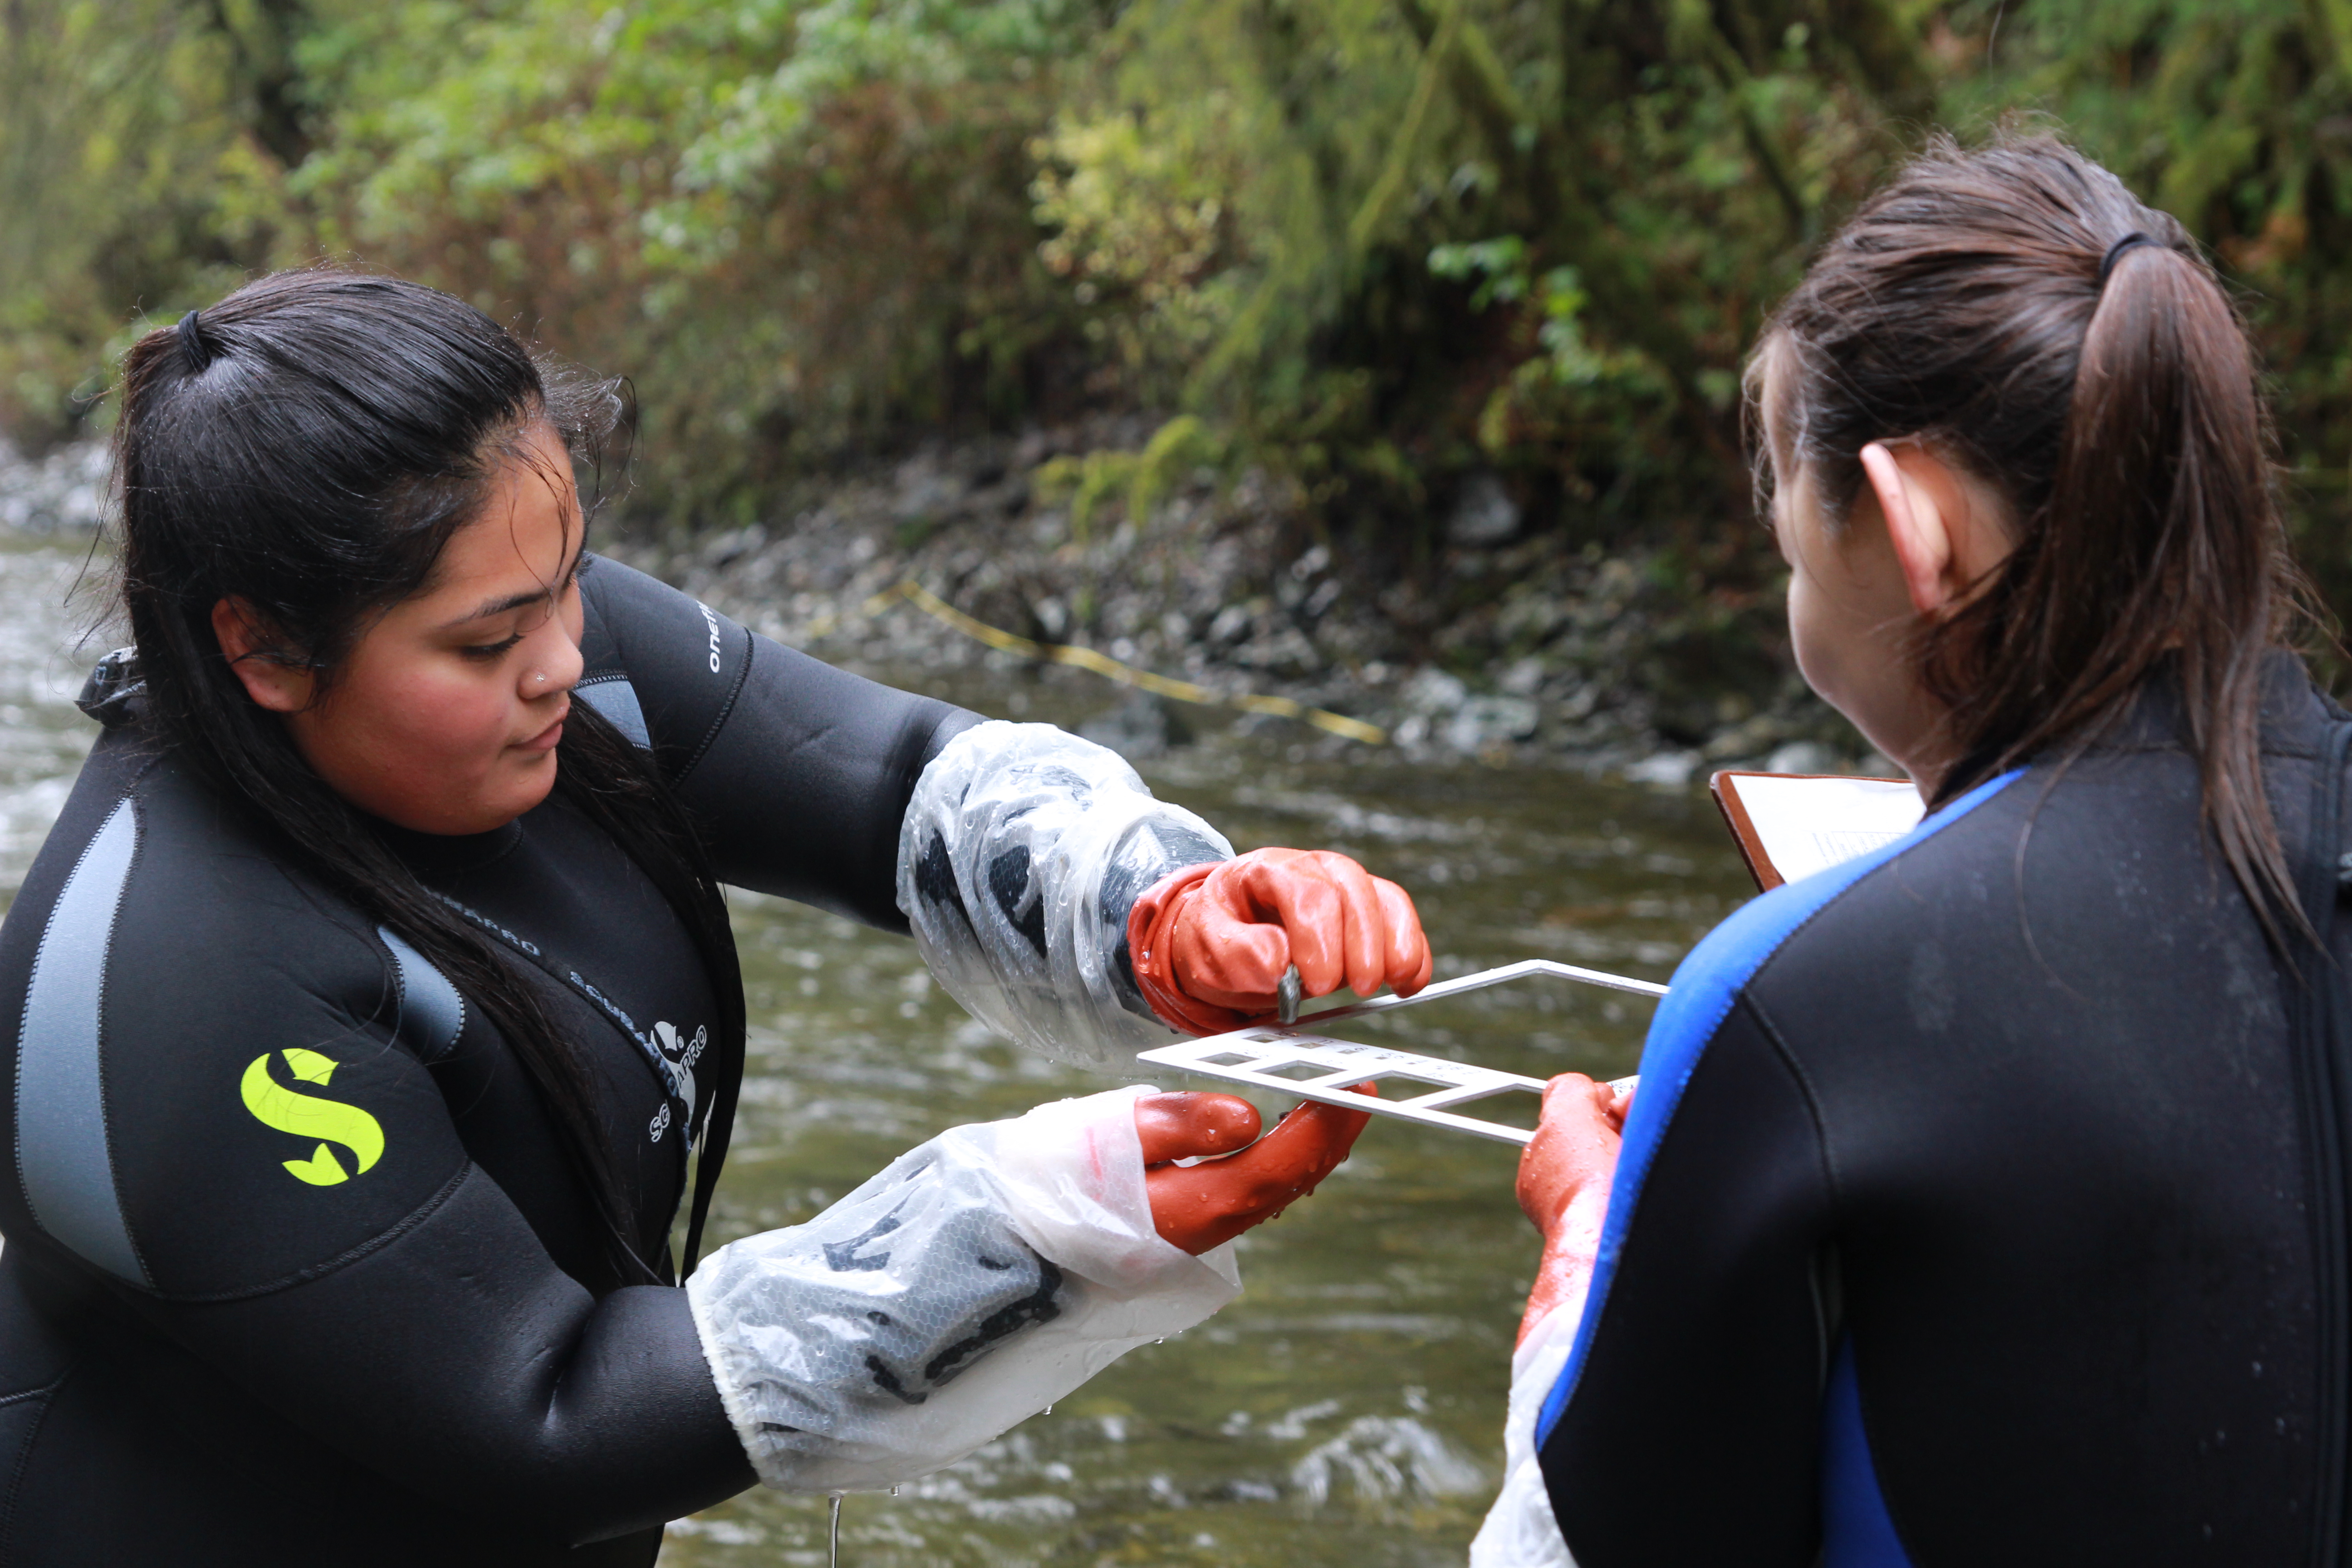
[
  {"x": 63, "y": 492},
  {"x": 1507, "y": 646},
  {"x": 1506, "y": 643}
]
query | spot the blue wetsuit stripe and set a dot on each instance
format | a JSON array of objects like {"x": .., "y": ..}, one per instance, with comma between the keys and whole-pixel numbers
[
  {"x": 432, "y": 1013},
  {"x": 617, "y": 700},
  {"x": 1856, "y": 1530},
  {"x": 1697, "y": 1002},
  {"x": 62, "y": 1153}
]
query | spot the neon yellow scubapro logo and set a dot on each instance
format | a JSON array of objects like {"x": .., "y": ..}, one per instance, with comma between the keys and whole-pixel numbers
[{"x": 308, "y": 1116}]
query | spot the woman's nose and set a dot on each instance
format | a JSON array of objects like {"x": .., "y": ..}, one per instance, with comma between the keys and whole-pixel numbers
[{"x": 558, "y": 664}]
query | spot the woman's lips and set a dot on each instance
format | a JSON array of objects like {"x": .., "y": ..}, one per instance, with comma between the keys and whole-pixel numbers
[{"x": 545, "y": 740}]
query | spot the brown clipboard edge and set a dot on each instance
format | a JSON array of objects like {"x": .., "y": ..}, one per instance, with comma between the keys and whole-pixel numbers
[{"x": 1743, "y": 827}]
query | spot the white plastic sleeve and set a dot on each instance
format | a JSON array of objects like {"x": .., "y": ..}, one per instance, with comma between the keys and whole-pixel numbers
[
  {"x": 975, "y": 1280},
  {"x": 1521, "y": 1531},
  {"x": 1022, "y": 851}
]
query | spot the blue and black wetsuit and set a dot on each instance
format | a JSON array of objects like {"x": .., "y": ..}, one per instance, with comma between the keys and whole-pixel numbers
[
  {"x": 1983, "y": 1200},
  {"x": 297, "y": 1270}
]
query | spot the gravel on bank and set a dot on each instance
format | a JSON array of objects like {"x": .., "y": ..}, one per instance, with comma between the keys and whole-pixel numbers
[
  {"x": 1539, "y": 649},
  {"x": 64, "y": 492}
]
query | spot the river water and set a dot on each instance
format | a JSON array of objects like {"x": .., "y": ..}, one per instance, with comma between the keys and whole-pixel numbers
[{"x": 1348, "y": 1409}]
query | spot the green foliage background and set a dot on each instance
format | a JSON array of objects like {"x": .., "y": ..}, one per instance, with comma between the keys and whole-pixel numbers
[{"x": 1374, "y": 243}]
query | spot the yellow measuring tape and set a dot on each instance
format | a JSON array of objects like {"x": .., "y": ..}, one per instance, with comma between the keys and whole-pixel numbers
[{"x": 1102, "y": 664}]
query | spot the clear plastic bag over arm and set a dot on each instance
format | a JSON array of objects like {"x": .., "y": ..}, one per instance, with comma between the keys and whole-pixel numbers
[
  {"x": 1022, "y": 851},
  {"x": 974, "y": 1281},
  {"x": 1520, "y": 1530}
]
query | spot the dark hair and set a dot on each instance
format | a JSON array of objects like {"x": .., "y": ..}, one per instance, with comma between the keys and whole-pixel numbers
[
  {"x": 309, "y": 445},
  {"x": 1984, "y": 302}
]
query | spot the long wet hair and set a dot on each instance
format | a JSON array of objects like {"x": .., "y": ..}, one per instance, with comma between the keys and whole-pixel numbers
[
  {"x": 310, "y": 445},
  {"x": 1979, "y": 303}
]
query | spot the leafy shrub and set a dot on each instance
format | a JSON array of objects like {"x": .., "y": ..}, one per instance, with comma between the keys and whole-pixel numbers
[{"x": 1379, "y": 246}]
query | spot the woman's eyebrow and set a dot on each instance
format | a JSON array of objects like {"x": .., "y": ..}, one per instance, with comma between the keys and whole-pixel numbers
[
  {"x": 496, "y": 607},
  {"x": 515, "y": 601}
]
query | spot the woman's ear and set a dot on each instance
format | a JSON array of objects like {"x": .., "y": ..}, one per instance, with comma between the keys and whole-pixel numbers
[
  {"x": 270, "y": 680},
  {"x": 1919, "y": 508}
]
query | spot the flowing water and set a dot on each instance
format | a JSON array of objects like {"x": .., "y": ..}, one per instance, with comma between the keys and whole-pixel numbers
[{"x": 1348, "y": 1409}]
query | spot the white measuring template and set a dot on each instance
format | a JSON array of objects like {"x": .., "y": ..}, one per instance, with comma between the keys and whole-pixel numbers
[{"x": 1283, "y": 1057}]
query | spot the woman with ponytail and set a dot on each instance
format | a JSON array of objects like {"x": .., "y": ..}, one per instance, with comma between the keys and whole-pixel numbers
[
  {"x": 374, "y": 1025},
  {"x": 1984, "y": 1199}
]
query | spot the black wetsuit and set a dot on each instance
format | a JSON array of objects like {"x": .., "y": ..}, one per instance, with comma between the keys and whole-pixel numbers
[
  {"x": 296, "y": 1270},
  {"x": 1982, "y": 1200}
]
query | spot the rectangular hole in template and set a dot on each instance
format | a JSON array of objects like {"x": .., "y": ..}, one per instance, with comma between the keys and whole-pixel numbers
[
  {"x": 1229, "y": 1060},
  {"x": 1397, "y": 1085},
  {"x": 1512, "y": 1106},
  {"x": 1299, "y": 1072}
]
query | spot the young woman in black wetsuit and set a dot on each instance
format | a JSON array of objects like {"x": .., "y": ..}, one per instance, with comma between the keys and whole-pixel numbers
[
  {"x": 368, "y": 996},
  {"x": 1983, "y": 1199}
]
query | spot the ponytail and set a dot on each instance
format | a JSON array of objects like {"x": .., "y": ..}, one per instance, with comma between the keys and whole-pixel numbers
[
  {"x": 2161, "y": 516},
  {"x": 2018, "y": 310}
]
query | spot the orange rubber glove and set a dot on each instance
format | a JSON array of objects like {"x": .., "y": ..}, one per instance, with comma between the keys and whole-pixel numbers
[
  {"x": 1209, "y": 944},
  {"x": 1198, "y": 1207},
  {"x": 1565, "y": 1176}
]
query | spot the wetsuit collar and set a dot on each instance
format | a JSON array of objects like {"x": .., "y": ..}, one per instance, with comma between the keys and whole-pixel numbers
[{"x": 442, "y": 853}]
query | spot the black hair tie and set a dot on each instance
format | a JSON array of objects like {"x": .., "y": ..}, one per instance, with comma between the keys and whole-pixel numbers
[
  {"x": 192, "y": 343},
  {"x": 2115, "y": 253}
]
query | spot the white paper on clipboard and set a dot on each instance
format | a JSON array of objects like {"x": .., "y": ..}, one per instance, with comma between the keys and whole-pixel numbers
[{"x": 1791, "y": 825}]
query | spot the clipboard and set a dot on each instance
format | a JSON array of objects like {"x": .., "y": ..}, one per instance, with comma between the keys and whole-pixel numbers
[{"x": 1789, "y": 825}]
